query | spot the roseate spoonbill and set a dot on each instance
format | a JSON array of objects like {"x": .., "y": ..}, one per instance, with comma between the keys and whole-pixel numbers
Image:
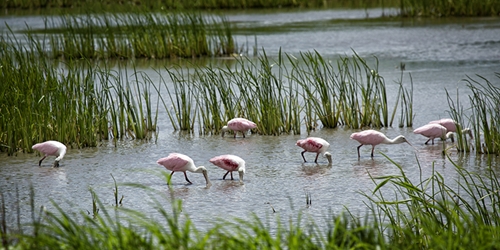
[
  {"x": 315, "y": 145},
  {"x": 451, "y": 126},
  {"x": 374, "y": 138},
  {"x": 54, "y": 148},
  {"x": 448, "y": 123},
  {"x": 434, "y": 130},
  {"x": 176, "y": 162},
  {"x": 230, "y": 163},
  {"x": 238, "y": 124}
]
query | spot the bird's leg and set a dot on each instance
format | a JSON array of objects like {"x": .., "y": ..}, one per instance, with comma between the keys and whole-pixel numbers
[
  {"x": 231, "y": 175},
  {"x": 56, "y": 164},
  {"x": 185, "y": 175},
  {"x": 373, "y": 148},
  {"x": 40, "y": 162},
  {"x": 170, "y": 179},
  {"x": 427, "y": 141},
  {"x": 303, "y": 155},
  {"x": 235, "y": 132},
  {"x": 224, "y": 177},
  {"x": 358, "y": 150},
  {"x": 316, "y": 160}
]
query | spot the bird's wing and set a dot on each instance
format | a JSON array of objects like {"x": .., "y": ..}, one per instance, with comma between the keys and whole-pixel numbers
[
  {"x": 226, "y": 162},
  {"x": 174, "y": 162},
  {"x": 46, "y": 148}
]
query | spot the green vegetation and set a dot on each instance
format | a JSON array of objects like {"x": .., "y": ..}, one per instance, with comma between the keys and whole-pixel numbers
[
  {"x": 430, "y": 213},
  {"x": 278, "y": 95},
  {"x": 439, "y": 8},
  {"x": 77, "y": 102},
  {"x": 138, "y": 34},
  {"x": 179, "y": 4},
  {"x": 407, "y": 8},
  {"x": 485, "y": 116}
]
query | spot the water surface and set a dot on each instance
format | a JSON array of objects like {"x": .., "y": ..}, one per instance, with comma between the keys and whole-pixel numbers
[{"x": 437, "y": 53}]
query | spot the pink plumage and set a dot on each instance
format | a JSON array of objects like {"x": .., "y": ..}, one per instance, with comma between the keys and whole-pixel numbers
[
  {"x": 230, "y": 163},
  {"x": 314, "y": 145},
  {"x": 432, "y": 131},
  {"x": 373, "y": 137},
  {"x": 239, "y": 125},
  {"x": 448, "y": 123},
  {"x": 177, "y": 162},
  {"x": 53, "y": 148}
]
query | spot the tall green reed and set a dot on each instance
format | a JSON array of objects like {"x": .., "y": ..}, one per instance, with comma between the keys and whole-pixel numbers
[
  {"x": 43, "y": 99},
  {"x": 280, "y": 94},
  {"x": 431, "y": 213},
  {"x": 139, "y": 34},
  {"x": 485, "y": 103}
]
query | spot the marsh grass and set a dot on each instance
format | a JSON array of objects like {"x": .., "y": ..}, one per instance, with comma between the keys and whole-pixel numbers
[
  {"x": 348, "y": 92},
  {"x": 75, "y": 102},
  {"x": 139, "y": 34},
  {"x": 405, "y": 97},
  {"x": 485, "y": 103},
  {"x": 434, "y": 213},
  {"x": 438, "y": 8},
  {"x": 284, "y": 94},
  {"x": 403, "y": 213},
  {"x": 203, "y": 5}
]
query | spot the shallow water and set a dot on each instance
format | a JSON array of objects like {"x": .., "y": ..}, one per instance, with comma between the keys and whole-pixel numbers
[{"x": 438, "y": 54}]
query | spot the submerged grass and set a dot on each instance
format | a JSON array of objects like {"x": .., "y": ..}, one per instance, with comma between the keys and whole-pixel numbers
[{"x": 430, "y": 213}]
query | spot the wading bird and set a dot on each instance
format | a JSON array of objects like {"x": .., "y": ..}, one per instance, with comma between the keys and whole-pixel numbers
[
  {"x": 238, "y": 124},
  {"x": 434, "y": 130},
  {"x": 230, "y": 163},
  {"x": 451, "y": 126},
  {"x": 54, "y": 148},
  {"x": 315, "y": 145},
  {"x": 176, "y": 162},
  {"x": 374, "y": 138}
]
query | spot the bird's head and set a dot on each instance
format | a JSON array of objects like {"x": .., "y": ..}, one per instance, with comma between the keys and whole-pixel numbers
[
  {"x": 224, "y": 130},
  {"x": 450, "y": 135},
  {"x": 204, "y": 171},
  {"x": 469, "y": 132},
  {"x": 328, "y": 157}
]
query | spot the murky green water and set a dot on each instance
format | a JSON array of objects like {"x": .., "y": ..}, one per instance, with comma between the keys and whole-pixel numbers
[{"x": 437, "y": 53}]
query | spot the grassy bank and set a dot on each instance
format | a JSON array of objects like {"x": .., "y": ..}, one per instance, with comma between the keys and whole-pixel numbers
[
  {"x": 178, "y": 4},
  {"x": 407, "y": 8},
  {"x": 430, "y": 213}
]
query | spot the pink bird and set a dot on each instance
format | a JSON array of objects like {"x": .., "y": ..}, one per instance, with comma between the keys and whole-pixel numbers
[
  {"x": 238, "y": 124},
  {"x": 434, "y": 130},
  {"x": 451, "y": 126},
  {"x": 448, "y": 123},
  {"x": 176, "y": 162},
  {"x": 230, "y": 163},
  {"x": 374, "y": 138},
  {"x": 315, "y": 145},
  {"x": 54, "y": 148}
]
